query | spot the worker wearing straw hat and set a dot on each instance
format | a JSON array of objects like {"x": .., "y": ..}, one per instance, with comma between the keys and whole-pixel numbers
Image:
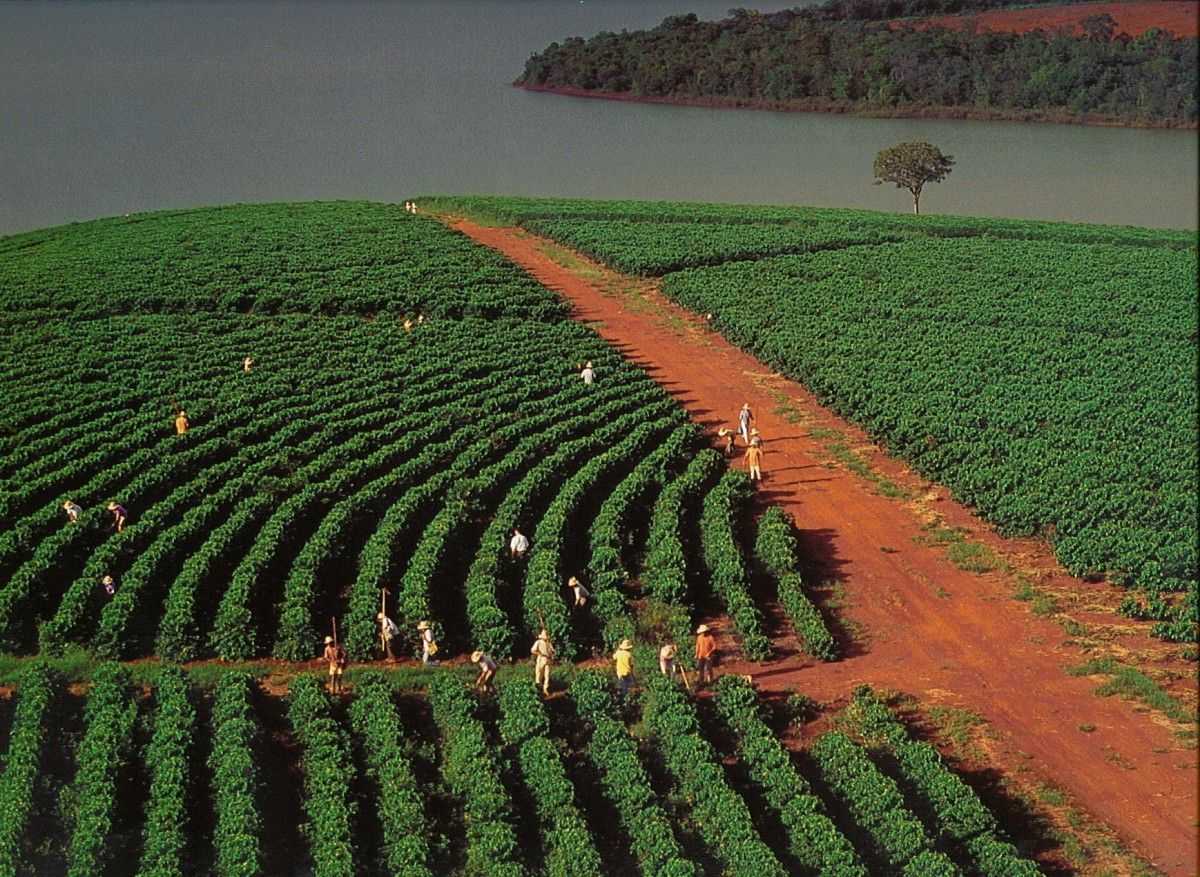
[
  {"x": 706, "y": 650},
  {"x": 429, "y": 646},
  {"x": 543, "y": 656},
  {"x": 581, "y": 593},
  {"x": 73, "y": 510},
  {"x": 181, "y": 422},
  {"x": 667, "y": 657},
  {"x": 588, "y": 374},
  {"x": 623, "y": 659},
  {"x": 487, "y": 669}
]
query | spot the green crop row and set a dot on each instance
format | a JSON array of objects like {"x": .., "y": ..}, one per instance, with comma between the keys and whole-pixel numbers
[
  {"x": 871, "y": 798},
  {"x": 813, "y": 839},
  {"x": 107, "y": 741},
  {"x": 626, "y": 784},
  {"x": 328, "y": 777},
  {"x": 378, "y": 732},
  {"x": 168, "y": 760},
  {"x": 525, "y": 728},
  {"x": 31, "y": 732},
  {"x": 470, "y": 770},
  {"x": 776, "y": 551},
  {"x": 962, "y": 819},
  {"x": 665, "y": 570},
  {"x": 610, "y": 532},
  {"x": 724, "y": 509},
  {"x": 233, "y": 762},
  {"x": 722, "y": 817}
]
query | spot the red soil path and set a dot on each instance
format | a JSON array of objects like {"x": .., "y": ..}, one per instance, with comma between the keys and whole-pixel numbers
[
  {"x": 1180, "y": 17},
  {"x": 922, "y": 625}
]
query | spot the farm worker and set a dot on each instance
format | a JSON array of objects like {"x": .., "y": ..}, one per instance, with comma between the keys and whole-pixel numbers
[
  {"x": 247, "y": 363},
  {"x": 335, "y": 657},
  {"x": 110, "y": 587},
  {"x": 420, "y": 319},
  {"x": 181, "y": 422},
  {"x": 408, "y": 324},
  {"x": 623, "y": 659},
  {"x": 518, "y": 545},
  {"x": 666, "y": 660},
  {"x": 745, "y": 420},
  {"x": 543, "y": 656},
  {"x": 73, "y": 511},
  {"x": 487, "y": 669},
  {"x": 754, "y": 455},
  {"x": 119, "y": 515},
  {"x": 588, "y": 374},
  {"x": 581, "y": 593},
  {"x": 727, "y": 434},
  {"x": 706, "y": 649},
  {"x": 388, "y": 631},
  {"x": 429, "y": 646}
]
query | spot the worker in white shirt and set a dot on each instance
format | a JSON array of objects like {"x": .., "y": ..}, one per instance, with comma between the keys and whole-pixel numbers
[
  {"x": 518, "y": 545},
  {"x": 588, "y": 374},
  {"x": 487, "y": 669},
  {"x": 543, "y": 656}
]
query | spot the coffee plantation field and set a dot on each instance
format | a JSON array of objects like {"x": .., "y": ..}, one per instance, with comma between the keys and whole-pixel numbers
[
  {"x": 229, "y": 778},
  {"x": 1045, "y": 372},
  {"x": 412, "y": 398}
]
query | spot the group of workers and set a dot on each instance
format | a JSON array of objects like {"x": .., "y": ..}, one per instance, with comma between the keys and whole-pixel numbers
[
  {"x": 752, "y": 438},
  {"x": 542, "y": 652}
]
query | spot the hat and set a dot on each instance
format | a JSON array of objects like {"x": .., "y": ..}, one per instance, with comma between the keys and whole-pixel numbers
[
  {"x": 702, "y": 629},
  {"x": 475, "y": 656},
  {"x": 745, "y": 404},
  {"x": 588, "y": 364},
  {"x": 545, "y": 634},
  {"x": 112, "y": 505},
  {"x": 625, "y": 644},
  {"x": 572, "y": 582},
  {"x": 381, "y": 616},
  {"x": 423, "y": 625},
  {"x": 328, "y": 640}
]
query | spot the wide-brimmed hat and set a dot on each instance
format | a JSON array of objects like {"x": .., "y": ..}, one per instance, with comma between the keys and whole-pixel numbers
[
  {"x": 423, "y": 625},
  {"x": 572, "y": 582},
  {"x": 381, "y": 616},
  {"x": 328, "y": 640},
  {"x": 702, "y": 629},
  {"x": 475, "y": 656},
  {"x": 587, "y": 364},
  {"x": 625, "y": 644},
  {"x": 545, "y": 634}
]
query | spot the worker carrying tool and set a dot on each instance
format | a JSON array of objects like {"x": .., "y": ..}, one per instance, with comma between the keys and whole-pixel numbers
[
  {"x": 335, "y": 657},
  {"x": 388, "y": 631}
]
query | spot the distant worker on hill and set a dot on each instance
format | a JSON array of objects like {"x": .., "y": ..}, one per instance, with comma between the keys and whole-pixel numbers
[
  {"x": 110, "y": 587},
  {"x": 487, "y": 669},
  {"x": 388, "y": 631},
  {"x": 429, "y": 646},
  {"x": 73, "y": 511},
  {"x": 623, "y": 662},
  {"x": 588, "y": 374},
  {"x": 543, "y": 657},
  {"x": 518, "y": 545},
  {"x": 581, "y": 593},
  {"x": 728, "y": 435},
  {"x": 408, "y": 324},
  {"x": 119, "y": 515},
  {"x": 335, "y": 657},
  {"x": 754, "y": 455},
  {"x": 706, "y": 650},
  {"x": 745, "y": 421},
  {"x": 181, "y": 422},
  {"x": 247, "y": 364}
]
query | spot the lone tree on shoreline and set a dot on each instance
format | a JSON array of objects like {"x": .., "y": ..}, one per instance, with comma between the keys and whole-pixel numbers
[{"x": 912, "y": 165}]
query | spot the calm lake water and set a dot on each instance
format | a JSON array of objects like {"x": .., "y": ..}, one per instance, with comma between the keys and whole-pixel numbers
[{"x": 118, "y": 107}]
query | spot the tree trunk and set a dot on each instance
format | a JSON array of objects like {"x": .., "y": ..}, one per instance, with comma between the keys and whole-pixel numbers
[{"x": 917, "y": 202}]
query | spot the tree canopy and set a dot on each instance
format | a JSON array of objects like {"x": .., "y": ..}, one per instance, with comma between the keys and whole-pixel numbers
[{"x": 912, "y": 165}]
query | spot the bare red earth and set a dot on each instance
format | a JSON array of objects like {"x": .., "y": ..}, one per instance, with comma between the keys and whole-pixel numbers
[
  {"x": 1179, "y": 17},
  {"x": 922, "y": 625}
]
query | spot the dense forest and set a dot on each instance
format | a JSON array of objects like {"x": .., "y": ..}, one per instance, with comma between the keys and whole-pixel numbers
[{"x": 845, "y": 56}]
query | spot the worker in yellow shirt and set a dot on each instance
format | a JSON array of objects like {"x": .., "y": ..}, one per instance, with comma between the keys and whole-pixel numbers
[
  {"x": 181, "y": 422},
  {"x": 623, "y": 659}
]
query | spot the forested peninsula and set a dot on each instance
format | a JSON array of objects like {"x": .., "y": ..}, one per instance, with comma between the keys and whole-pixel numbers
[{"x": 874, "y": 57}]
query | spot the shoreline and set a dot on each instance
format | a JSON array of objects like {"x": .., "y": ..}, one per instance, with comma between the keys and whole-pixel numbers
[{"x": 834, "y": 107}]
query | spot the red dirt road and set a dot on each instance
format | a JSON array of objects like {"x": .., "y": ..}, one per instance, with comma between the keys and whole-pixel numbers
[
  {"x": 1180, "y": 17},
  {"x": 922, "y": 625}
]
